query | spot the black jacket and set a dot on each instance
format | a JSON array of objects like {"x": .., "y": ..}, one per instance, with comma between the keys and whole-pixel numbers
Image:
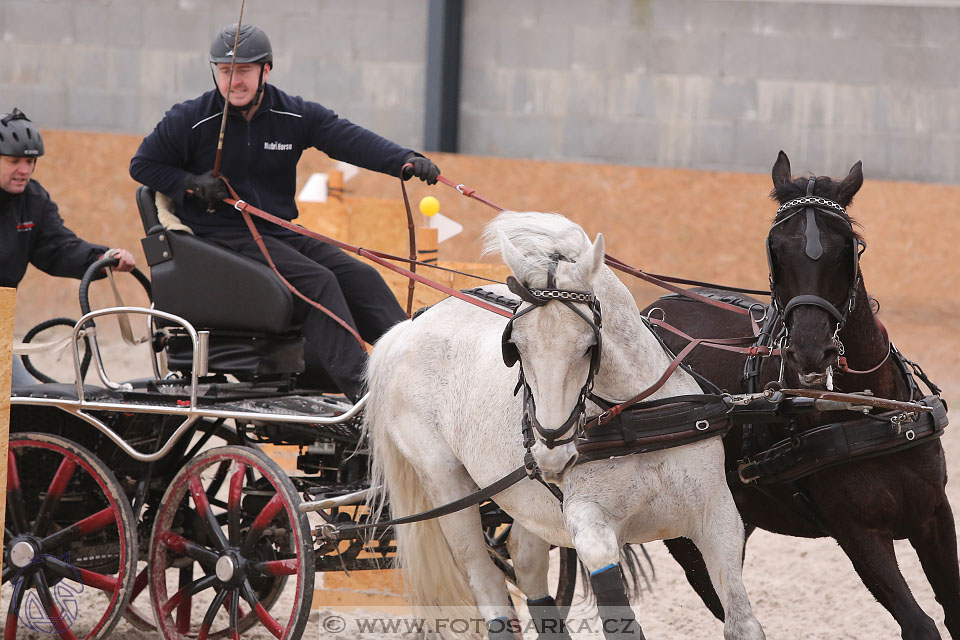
[
  {"x": 31, "y": 230},
  {"x": 259, "y": 157}
]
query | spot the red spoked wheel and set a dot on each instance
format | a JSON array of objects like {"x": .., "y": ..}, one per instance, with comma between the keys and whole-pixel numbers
[
  {"x": 139, "y": 610},
  {"x": 227, "y": 529},
  {"x": 69, "y": 541}
]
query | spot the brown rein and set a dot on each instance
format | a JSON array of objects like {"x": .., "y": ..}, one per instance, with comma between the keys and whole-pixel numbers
[
  {"x": 246, "y": 210},
  {"x": 742, "y": 345}
]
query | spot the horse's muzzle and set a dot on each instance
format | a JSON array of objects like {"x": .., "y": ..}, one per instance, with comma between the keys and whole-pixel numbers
[{"x": 555, "y": 462}]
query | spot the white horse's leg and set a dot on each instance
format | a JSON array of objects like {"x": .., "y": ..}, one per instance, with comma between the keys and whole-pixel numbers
[
  {"x": 464, "y": 535},
  {"x": 720, "y": 540},
  {"x": 596, "y": 541},
  {"x": 531, "y": 561}
]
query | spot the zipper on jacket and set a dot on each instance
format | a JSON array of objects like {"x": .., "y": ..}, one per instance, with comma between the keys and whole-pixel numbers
[{"x": 250, "y": 162}]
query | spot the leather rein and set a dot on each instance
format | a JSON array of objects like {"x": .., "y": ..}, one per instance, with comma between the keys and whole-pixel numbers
[{"x": 535, "y": 297}]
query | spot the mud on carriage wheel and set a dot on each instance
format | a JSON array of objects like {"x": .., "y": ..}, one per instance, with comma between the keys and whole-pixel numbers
[
  {"x": 229, "y": 516},
  {"x": 70, "y": 548}
]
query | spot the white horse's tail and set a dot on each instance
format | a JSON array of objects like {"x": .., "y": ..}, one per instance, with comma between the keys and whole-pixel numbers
[{"x": 436, "y": 585}]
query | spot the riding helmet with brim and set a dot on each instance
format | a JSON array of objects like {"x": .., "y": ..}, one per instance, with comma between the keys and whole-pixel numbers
[
  {"x": 253, "y": 46},
  {"x": 19, "y": 137}
]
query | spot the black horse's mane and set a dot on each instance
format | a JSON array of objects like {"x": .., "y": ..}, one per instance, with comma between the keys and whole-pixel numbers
[{"x": 826, "y": 187}]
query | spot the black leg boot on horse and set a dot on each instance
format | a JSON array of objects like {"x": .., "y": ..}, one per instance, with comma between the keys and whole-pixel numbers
[
  {"x": 616, "y": 615},
  {"x": 547, "y": 619}
]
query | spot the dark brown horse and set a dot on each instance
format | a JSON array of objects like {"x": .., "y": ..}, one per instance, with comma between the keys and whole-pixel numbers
[{"x": 865, "y": 505}]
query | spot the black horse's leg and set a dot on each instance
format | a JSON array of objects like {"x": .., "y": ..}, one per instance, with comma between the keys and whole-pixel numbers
[
  {"x": 688, "y": 556},
  {"x": 936, "y": 546},
  {"x": 874, "y": 559},
  {"x": 547, "y": 619}
]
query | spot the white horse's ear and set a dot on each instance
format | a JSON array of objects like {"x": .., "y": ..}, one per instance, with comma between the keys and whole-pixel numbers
[
  {"x": 511, "y": 255},
  {"x": 593, "y": 260}
]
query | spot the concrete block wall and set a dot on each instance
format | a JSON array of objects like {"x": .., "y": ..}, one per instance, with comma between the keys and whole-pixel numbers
[
  {"x": 707, "y": 84},
  {"x": 717, "y": 84},
  {"x": 118, "y": 65}
]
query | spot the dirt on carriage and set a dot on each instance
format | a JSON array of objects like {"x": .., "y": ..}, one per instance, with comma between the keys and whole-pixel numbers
[{"x": 702, "y": 225}]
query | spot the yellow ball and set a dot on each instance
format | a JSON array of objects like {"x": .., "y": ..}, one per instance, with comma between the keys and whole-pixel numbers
[{"x": 429, "y": 206}]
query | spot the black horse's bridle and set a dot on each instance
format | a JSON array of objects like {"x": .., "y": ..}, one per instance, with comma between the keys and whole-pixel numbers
[
  {"x": 812, "y": 205},
  {"x": 538, "y": 298}
]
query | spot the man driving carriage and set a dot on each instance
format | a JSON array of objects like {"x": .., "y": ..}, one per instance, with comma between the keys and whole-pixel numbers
[
  {"x": 266, "y": 133},
  {"x": 31, "y": 229}
]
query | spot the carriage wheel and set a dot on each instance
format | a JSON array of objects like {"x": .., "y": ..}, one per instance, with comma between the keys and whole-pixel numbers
[
  {"x": 139, "y": 611},
  {"x": 227, "y": 526},
  {"x": 69, "y": 541}
]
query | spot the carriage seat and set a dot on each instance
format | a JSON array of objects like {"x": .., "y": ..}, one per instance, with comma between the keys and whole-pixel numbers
[{"x": 247, "y": 309}]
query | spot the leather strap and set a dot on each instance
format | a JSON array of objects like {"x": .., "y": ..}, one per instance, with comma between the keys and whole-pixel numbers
[
  {"x": 622, "y": 266},
  {"x": 612, "y": 413},
  {"x": 266, "y": 254},
  {"x": 842, "y": 360},
  {"x": 375, "y": 256},
  {"x": 658, "y": 424},
  {"x": 341, "y": 532}
]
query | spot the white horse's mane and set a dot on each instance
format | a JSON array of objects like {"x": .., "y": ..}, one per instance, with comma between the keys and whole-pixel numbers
[{"x": 537, "y": 236}]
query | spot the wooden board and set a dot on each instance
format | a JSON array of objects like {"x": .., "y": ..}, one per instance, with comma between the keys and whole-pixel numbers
[{"x": 7, "y": 300}]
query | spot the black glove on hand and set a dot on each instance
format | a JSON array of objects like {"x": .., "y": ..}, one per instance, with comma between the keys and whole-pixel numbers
[
  {"x": 208, "y": 188},
  {"x": 423, "y": 168}
]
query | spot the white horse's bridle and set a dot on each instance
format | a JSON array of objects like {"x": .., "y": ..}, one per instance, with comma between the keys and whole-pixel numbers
[{"x": 538, "y": 298}]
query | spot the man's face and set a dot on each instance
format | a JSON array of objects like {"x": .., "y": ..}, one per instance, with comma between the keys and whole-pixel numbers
[
  {"x": 246, "y": 79},
  {"x": 15, "y": 173}
]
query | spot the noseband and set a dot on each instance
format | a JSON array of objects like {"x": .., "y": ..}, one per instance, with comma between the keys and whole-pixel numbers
[
  {"x": 812, "y": 205},
  {"x": 539, "y": 298}
]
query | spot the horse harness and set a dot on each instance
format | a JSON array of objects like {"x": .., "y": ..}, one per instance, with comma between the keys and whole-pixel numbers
[
  {"x": 829, "y": 445},
  {"x": 811, "y": 205},
  {"x": 664, "y": 423}
]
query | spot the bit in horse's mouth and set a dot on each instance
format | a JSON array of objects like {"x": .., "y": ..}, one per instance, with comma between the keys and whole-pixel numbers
[{"x": 812, "y": 379}]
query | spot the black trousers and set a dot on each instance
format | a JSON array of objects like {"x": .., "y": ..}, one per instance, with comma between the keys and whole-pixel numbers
[{"x": 351, "y": 289}]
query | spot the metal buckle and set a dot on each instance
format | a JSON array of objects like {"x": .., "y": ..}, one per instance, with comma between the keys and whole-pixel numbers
[
  {"x": 740, "y": 469},
  {"x": 702, "y": 425},
  {"x": 910, "y": 434},
  {"x": 756, "y": 305},
  {"x": 460, "y": 188},
  {"x": 239, "y": 204},
  {"x": 663, "y": 314},
  {"x": 327, "y": 531}
]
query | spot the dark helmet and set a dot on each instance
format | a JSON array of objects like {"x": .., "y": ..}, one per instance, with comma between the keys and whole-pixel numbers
[
  {"x": 19, "y": 136},
  {"x": 252, "y": 45}
]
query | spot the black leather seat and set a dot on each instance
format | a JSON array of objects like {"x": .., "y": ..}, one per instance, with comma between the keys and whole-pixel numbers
[{"x": 247, "y": 309}]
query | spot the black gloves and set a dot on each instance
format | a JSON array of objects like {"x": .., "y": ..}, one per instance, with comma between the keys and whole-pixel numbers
[
  {"x": 208, "y": 188},
  {"x": 423, "y": 168}
]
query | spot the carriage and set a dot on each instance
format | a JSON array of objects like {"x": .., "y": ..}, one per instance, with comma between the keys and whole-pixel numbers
[{"x": 156, "y": 495}]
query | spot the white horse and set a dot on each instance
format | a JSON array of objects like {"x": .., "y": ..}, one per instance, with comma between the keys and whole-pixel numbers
[{"x": 444, "y": 420}]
